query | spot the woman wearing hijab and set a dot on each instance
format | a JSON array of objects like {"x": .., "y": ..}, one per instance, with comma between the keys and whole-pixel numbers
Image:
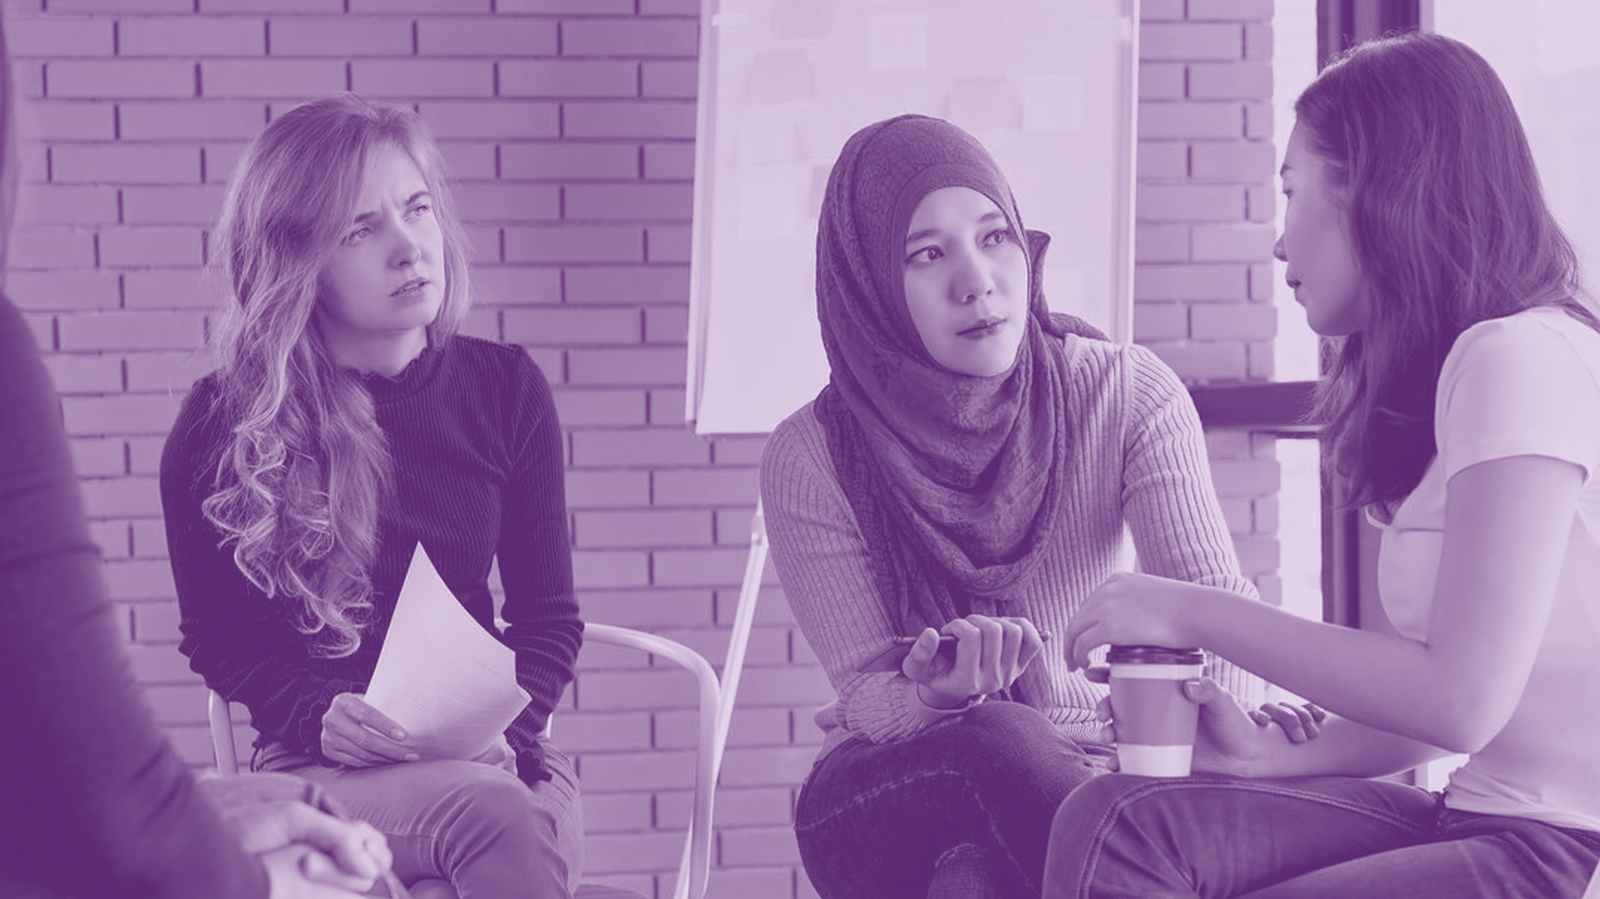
[{"x": 968, "y": 472}]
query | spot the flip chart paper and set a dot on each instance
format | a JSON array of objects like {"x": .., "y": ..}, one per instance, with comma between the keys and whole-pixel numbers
[{"x": 441, "y": 676}]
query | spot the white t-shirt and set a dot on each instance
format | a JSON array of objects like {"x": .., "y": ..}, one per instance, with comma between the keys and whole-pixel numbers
[{"x": 1524, "y": 385}]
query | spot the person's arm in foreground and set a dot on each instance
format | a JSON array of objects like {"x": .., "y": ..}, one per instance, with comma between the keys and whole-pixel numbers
[{"x": 92, "y": 798}]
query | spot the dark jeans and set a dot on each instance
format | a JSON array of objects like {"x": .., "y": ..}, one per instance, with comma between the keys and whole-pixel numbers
[
  {"x": 960, "y": 810},
  {"x": 1305, "y": 837}
]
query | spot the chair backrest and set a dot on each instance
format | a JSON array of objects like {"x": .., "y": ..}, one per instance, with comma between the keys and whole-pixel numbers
[{"x": 716, "y": 700}]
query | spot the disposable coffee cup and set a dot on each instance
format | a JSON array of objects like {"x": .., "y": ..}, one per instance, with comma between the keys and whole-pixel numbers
[{"x": 1155, "y": 721}]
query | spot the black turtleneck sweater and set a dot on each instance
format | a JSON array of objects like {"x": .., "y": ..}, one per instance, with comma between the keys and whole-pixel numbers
[{"x": 477, "y": 474}]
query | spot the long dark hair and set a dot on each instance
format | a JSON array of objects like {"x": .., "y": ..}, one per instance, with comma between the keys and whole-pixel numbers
[{"x": 1449, "y": 226}]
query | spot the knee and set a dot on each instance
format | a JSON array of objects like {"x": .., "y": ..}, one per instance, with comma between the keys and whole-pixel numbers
[{"x": 487, "y": 803}]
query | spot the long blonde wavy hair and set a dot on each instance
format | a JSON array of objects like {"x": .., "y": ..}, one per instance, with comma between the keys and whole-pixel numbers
[{"x": 299, "y": 482}]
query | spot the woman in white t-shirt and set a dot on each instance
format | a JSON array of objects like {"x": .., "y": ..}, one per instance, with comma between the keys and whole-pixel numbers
[{"x": 1464, "y": 410}]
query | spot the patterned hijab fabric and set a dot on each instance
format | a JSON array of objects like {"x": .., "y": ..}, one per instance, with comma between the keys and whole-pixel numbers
[{"x": 955, "y": 480}]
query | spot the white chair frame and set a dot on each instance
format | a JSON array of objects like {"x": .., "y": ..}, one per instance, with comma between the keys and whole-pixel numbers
[{"x": 716, "y": 699}]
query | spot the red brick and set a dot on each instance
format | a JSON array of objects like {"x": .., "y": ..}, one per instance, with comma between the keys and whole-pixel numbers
[
  {"x": 671, "y": 162},
  {"x": 653, "y": 447},
  {"x": 643, "y": 366},
  {"x": 1232, "y": 242},
  {"x": 80, "y": 289},
  {"x": 161, "y": 664},
  {"x": 172, "y": 204},
  {"x": 275, "y": 7},
  {"x": 642, "y": 529},
  {"x": 666, "y": 325},
  {"x": 569, "y": 7},
  {"x": 667, "y": 407},
  {"x": 469, "y": 160},
  {"x": 1161, "y": 242},
  {"x": 612, "y": 853},
  {"x": 1263, "y": 281},
  {"x": 738, "y": 882},
  {"x": 339, "y": 36},
  {"x": 131, "y": 331},
  {"x": 628, "y": 119},
  {"x": 1161, "y": 160},
  {"x": 497, "y": 119},
  {"x": 50, "y": 248},
  {"x": 1260, "y": 202},
  {"x": 629, "y": 202},
  {"x": 58, "y": 204},
  {"x": 74, "y": 373},
  {"x": 120, "y": 497},
  {"x": 675, "y": 79},
  {"x": 493, "y": 36},
  {"x": 150, "y": 542},
  {"x": 573, "y": 326},
  {"x": 144, "y": 453},
  {"x": 1230, "y": 81},
  {"x": 1258, "y": 42},
  {"x": 55, "y": 38},
  {"x": 1161, "y": 80},
  {"x": 632, "y": 284},
  {"x": 504, "y": 201},
  {"x": 149, "y": 247},
  {"x": 110, "y": 536},
  {"x": 569, "y": 161},
  {"x": 1234, "y": 321},
  {"x": 409, "y": 78},
  {"x": 593, "y": 570},
  {"x": 1194, "y": 282},
  {"x": 1160, "y": 321},
  {"x": 176, "y": 703},
  {"x": 100, "y": 457},
  {"x": 190, "y": 119},
  {"x": 1190, "y": 41},
  {"x": 1203, "y": 362},
  {"x": 568, "y": 244},
  {"x": 120, "y": 164},
  {"x": 568, "y": 78},
  {"x": 597, "y": 489},
  {"x": 445, "y": 6},
  {"x": 168, "y": 288},
  {"x": 651, "y": 609},
  {"x": 1262, "y": 360},
  {"x": 784, "y": 685},
  {"x": 740, "y": 807},
  {"x": 587, "y": 731},
  {"x": 1189, "y": 203},
  {"x": 601, "y": 408},
  {"x": 117, "y": 78},
  {"x": 190, "y": 35},
  {"x": 1257, "y": 554},
  {"x": 1161, "y": 10},
  {"x": 167, "y": 373},
  {"x": 767, "y": 845},
  {"x": 517, "y": 285},
  {"x": 669, "y": 7},
  {"x": 79, "y": 120},
  {"x": 698, "y": 567},
  {"x": 1231, "y": 160},
  {"x": 118, "y": 414},
  {"x": 121, "y": 7},
  {"x": 711, "y": 487},
  {"x": 289, "y": 78},
  {"x": 1190, "y": 119},
  {"x": 28, "y": 76},
  {"x": 624, "y": 37},
  {"x": 738, "y": 450}
]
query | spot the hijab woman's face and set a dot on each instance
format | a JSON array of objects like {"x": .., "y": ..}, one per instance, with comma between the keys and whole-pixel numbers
[{"x": 966, "y": 282}]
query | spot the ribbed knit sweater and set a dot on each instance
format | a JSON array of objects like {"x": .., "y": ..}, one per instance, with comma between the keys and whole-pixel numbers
[
  {"x": 477, "y": 476},
  {"x": 1140, "y": 458},
  {"x": 93, "y": 801}
]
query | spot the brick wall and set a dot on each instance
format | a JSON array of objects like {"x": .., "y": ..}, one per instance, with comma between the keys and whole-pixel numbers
[{"x": 569, "y": 128}]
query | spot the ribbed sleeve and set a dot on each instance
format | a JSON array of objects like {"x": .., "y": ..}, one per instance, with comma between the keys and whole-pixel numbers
[
  {"x": 1139, "y": 459},
  {"x": 93, "y": 801},
  {"x": 476, "y": 450}
]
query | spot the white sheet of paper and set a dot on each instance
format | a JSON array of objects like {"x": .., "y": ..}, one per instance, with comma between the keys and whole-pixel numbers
[{"x": 441, "y": 676}]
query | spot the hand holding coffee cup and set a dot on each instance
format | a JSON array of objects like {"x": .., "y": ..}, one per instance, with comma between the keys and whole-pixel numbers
[{"x": 1155, "y": 721}]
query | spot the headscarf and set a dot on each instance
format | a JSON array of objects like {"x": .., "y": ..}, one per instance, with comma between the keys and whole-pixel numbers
[{"x": 955, "y": 480}]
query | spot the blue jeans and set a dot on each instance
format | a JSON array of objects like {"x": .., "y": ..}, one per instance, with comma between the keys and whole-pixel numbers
[
  {"x": 960, "y": 810},
  {"x": 474, "y": 825},
  {"x": 1305, "y": 837}
]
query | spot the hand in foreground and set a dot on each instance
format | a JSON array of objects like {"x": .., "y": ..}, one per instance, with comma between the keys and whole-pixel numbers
[
  {"x": 358, "y": 735},
  {"x": 990, "y": 653},
  {"x": 309, "y": 854},
  {"x": 1133, "y": 610},
  {"x": 1299, "y": 722}
]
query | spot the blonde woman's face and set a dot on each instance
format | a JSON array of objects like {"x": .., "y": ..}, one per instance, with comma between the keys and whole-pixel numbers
[
  {"x": 386, "y": 279},
  {"x": 966, "y": 282}
]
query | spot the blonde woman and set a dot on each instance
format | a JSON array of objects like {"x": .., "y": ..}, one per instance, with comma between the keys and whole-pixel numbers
[{"x": 346, "y": 423}]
